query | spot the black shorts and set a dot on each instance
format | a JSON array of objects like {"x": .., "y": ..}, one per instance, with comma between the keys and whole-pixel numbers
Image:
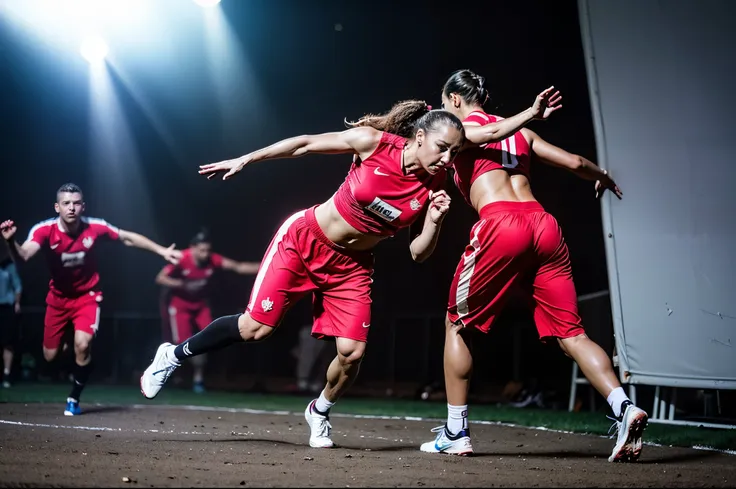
[{"x": 8, "y": 325}]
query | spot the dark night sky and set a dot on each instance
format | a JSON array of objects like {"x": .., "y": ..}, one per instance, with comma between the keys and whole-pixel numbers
[{"x": 309, "y": 76}]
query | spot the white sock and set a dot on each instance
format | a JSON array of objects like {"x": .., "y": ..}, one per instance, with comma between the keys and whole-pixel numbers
[
  {"x": 457, "y": 418},
  {"x": 6, "y": 372},
  {"x": 322, "y": 404},
  {"x": 616, "y": 398}
]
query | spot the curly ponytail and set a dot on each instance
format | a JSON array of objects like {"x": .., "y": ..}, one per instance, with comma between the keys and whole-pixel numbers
[{"x": 400, "y": 120}]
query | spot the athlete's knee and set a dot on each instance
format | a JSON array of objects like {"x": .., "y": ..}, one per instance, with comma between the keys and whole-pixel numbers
[
  {"x": 252, "y": 330},
  {"x": 572, "y": 344},
  {"x": 49, "y": 354},
  {"x": 349, "y": 352},
  {"x": 82, "y": 346}
]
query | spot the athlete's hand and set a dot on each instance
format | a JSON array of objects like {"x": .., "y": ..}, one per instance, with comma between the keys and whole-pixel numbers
[
  {"x": 439, "y": 205},
  {"x": 230, "y": 167},
  {"x": 546, "y": 103},
  {"x": 607, "y": 183},
  {"x": 172, "y": 255},
  {"x": 8, "y": 229},
  {"x": 17, "y": 308}
]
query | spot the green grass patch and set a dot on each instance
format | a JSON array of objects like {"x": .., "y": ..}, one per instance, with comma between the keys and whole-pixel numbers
[{"x": 593, "y": 423}]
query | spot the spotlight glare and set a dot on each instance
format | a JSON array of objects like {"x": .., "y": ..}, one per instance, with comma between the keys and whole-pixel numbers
[
  {"x": 206, "y": 3},
  {"x": 94, "y": 49}
]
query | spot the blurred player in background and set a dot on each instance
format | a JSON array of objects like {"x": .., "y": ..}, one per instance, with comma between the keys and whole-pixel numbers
[
  {"x": 188, "y": 290},
  {"x": 69, "y": 243},
  {"x": 10, "y": 292}
]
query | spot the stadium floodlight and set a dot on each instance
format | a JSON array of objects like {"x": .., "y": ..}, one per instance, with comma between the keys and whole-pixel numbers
[
  {"x": 94, "y": 49},
  {"x": 207, "y": 3}
]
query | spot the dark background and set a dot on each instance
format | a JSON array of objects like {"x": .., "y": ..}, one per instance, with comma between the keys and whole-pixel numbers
[{"x": 304, "y": 76}]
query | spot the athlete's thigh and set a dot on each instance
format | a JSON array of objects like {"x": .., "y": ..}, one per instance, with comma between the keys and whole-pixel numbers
[
  {"x": 283, "y": 277},
  {"x": 496, "y": 258}
]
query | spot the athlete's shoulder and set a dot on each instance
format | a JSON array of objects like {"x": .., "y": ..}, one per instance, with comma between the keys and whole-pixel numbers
[
  {"x": 96, "y": 221},
  {"x": 186, "y": 260},
  {"x": 97, "y": 224},
  {"x": 480, "y": 117},
  {"x": 386, "y": 144},
  {"x": 393, "y": 140},
  {"x": 46, "y": 222},
  {"x": 216, "y": 260},
  {"x": 42, "y": 228}
]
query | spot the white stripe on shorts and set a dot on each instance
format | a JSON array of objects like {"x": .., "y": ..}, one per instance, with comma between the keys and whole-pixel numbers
[
  {"x": 95, "y": 326},
  {"x": 463, "y": 284},
  {"x": 268, "y": 257}
]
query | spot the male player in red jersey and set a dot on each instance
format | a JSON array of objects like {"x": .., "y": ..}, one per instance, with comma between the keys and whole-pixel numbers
[
  {"x": 396, "y": 182},
  {"x": 516, "y": 242},
  {"x": 69, "y": 243},
  {"x": 188, "y": 286}
]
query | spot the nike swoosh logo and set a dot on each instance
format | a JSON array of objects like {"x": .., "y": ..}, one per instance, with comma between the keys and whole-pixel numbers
[
  {"x": 379, "y": 172},
  {"x": 366, "y": 325},
  {"x": 443, "y": 447},
  {"x": 54, "y": 246}
]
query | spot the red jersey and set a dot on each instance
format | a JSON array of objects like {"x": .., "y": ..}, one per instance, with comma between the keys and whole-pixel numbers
[
  {"x": 71, "y": 258},
  {"x": 377, "y": 198},
  {"x": 196, "y": 277},
  {"x": 512, "y": 154}
]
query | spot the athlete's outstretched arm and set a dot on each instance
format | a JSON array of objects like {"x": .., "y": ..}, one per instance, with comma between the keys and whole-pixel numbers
[
  {"x": 24, "y": 251},
  {"x": 241, "y": 267},
  {"x": 169, "y": 254},
  {"x": 580, "y": 166},
  {"x": 360, "y": 140},
  {"x": 544, "y": 105},
  {"x": 165, "y": 279},
  {"x": 423, "y": 242}
]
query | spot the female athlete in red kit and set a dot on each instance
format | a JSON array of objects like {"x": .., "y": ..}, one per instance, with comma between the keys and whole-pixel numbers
[
  {"x": 396, "y": 181},
  {"x": 514, "y": 243}
]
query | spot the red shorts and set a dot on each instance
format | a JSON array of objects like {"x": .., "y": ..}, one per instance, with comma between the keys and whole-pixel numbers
[
  {"x": 186, "y": 318},
  {"x": 82, "y": 311},
  {"x": 516, "y": 244},
  {"x": 299, "y": 260}
]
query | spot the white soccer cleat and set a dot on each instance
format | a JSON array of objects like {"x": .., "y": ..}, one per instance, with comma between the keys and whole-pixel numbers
[
  {"x": 630, "y": 428},
  {"x": 446, "y": 443},
  {"x": 156, "y": 375},
  {"x": 319, "y": 426}
]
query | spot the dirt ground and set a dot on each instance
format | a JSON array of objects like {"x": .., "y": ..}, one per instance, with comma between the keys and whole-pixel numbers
[{"x": 155, "y": 446}]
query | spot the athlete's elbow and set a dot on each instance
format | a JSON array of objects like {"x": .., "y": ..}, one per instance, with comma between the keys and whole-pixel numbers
[
  {"x": 24, "y": 254},
  {"x": 576, "y": 163},
  {"x": 419, "y": 257},
  {"x": 303, "y": 145}
]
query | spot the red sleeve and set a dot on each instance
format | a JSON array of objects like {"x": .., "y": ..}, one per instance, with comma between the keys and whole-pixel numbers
[
  {"x": 40, "y": 232},
  {"x": 169, "y": 269},
  {"x": 104, "y": 229},
  {"x": 216, "y": 260}
]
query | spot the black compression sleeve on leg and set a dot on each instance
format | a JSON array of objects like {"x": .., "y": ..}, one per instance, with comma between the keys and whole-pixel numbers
[
  {"x": 218, "y": 334},
  {"x": 81, "y": 375}
]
